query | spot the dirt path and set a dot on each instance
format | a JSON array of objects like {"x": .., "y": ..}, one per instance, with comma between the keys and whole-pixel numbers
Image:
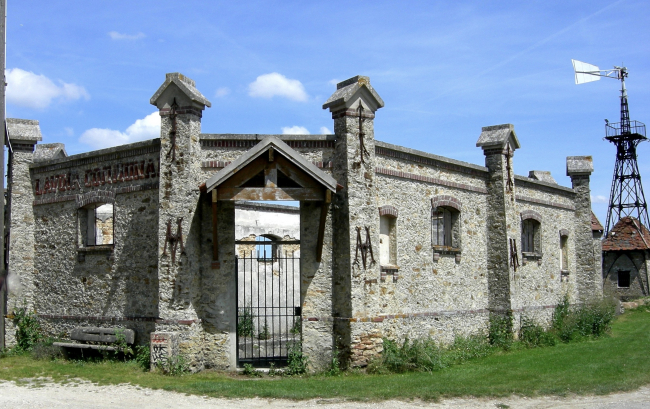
[{"x": 86, "y": 395}]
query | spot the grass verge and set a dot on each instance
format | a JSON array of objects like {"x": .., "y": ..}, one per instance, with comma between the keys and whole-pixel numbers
[{"x": 612, "y": 363}]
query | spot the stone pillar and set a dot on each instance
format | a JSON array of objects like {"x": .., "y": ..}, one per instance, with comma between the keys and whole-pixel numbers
[
  {"x": 181, "y": 106},
  {"x": 588, "y": 279},
  {"x": 355, "y": 212},
  {"x": 499, "y": 143},
  {"x": 316, "y": 289},
  {"x": 24, "y": 135}
]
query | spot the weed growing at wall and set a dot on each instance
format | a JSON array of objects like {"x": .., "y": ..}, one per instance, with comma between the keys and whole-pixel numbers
[
  {"x": 500, "y": 333},
  {"x": 173, "y": 366},
  {"x": 251, "y": 372},
  {"x": 335, "y": 364},
  {"x": 28, "y": 332},
  {"x": 245, "y": 327},
  {"x": 264, "y": 332},
  {"x": 592, "y": 319},
  {"x": 297, "y": 361},
  {"x": 45, "y": 350},
  {"x": 143, "y": 356},
  {"x": 121, "y": 346},
  {"x": 533, "y": 335}
]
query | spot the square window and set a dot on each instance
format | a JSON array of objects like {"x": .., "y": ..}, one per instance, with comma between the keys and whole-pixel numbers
[{"x": 623, "y": 279}]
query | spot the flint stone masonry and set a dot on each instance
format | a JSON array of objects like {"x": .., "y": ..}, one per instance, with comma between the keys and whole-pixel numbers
[{"x": 170, "y": 273}]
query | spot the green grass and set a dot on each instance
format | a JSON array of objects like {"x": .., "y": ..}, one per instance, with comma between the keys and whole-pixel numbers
[{"x": 617, "y": 362}]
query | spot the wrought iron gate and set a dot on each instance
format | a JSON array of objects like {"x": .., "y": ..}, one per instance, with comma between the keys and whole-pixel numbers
[{"x": 268, "y": 301}]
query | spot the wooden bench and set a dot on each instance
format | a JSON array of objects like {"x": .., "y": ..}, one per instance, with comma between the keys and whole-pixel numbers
[{"x": 97, "y": 338}]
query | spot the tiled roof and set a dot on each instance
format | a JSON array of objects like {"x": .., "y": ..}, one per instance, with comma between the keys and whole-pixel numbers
[
  {"x": 595, "y": 224},
  {"x": 627, "y": 234}
]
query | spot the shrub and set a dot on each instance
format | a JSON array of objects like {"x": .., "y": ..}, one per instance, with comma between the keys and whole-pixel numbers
[
  {"x": 533, "y": 335},
  {"x": 500, "y": 334},
  {"x": 28, "y": 330}
]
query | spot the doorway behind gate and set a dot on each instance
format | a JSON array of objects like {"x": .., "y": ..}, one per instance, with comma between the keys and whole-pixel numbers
[{"x": 268, "y": 300}]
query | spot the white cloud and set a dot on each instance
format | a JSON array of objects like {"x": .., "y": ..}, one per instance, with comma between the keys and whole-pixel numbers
[
  {"x": 222, "y": 92},
  {"x": 325, "y": 131},
  {"x": 120, "y": 36},
  {"x": 146, "y": 128},
  {"x": 270, "y": 85},
  {"x": 599, "y": 199},
  {"x": 333, "y": 82},
  {"x": 31, "y": 90},
  {"x": 295, "y": 130},
  {"x": 68, "y": 131}
]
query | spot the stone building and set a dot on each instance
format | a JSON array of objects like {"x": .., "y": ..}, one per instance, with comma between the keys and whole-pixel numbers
[
  {"x": 391, "y": 241},
  {"x": 626, "y": 258}
]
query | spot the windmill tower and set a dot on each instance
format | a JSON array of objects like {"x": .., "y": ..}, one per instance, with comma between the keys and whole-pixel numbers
[{"x": 626, "y": 197}]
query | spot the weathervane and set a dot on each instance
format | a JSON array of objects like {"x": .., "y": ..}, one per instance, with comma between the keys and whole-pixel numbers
[{"x": 626, "y": 197}]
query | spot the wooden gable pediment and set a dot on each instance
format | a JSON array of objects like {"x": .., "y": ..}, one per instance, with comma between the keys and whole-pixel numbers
[{"x": 271, "y": 171}]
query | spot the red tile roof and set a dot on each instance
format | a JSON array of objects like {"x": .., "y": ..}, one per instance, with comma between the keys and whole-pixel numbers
[
  {"x": 595, "y": 224},
  {"x": 627, "y": 234}
]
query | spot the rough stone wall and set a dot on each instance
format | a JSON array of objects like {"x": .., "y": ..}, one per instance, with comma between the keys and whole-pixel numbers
[
  {"x": 355, "y": 208},
  {"x": 317, "y": 287},
  {"x": 113, "y": 285},
  {"x": 20, "y": 277},
  {"x": 539, "y": 284},
  {"x": 588, "y": 280}
]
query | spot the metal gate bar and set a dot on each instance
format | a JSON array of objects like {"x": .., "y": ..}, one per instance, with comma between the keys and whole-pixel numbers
[{"x": 268, "y": 303}]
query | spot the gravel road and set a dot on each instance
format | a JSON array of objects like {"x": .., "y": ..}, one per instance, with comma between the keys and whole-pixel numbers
[{"x": 41, "y": 394}]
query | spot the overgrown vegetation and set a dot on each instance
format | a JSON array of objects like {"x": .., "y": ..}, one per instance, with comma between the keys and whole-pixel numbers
[
  {"x": 574, "y": 367},
  {"x": 589, "y": 320},
  {"x": 28, "y": 330}
]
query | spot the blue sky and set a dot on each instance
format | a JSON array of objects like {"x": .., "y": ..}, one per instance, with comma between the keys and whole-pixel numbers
[{"x": 86, "y": 70}]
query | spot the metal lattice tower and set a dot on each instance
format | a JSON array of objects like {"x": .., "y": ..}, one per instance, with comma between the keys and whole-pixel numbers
[{"x": 626, "y": 197}]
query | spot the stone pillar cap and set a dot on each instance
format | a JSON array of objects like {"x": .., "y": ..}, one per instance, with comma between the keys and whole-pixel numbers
[
  {"x": 542, "y": 175},
  {"x": 498, "y": 136},
  {"x": 184, "y": 87},
  {"x": 47, "y": 151},
  {"x": 579, "y": 165},
  {"x": 24, "y": 130},
  {"x": 350, "y": 90}
]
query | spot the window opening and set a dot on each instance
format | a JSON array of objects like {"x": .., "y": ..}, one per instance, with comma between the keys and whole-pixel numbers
[
  {"x": 387, "y": 241},
  {"x": 529, "y": 239},
  {"x": 623, "y": 279},
  {"x": 100, "y": 225},
  {"x": 265, "y": 248},
  {"x": 564, "y": 253},
  {"x": 441, "y": 227}
]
